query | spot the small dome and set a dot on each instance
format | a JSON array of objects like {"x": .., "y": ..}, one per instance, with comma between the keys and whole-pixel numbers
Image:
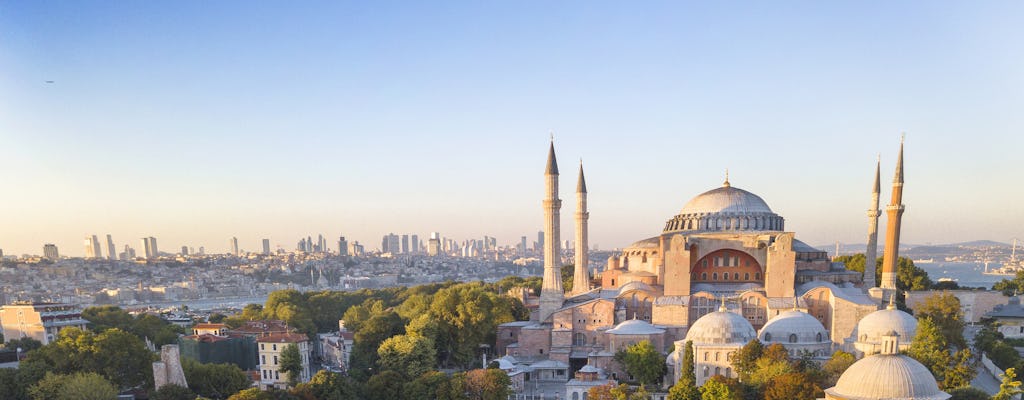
[
  {"x": 721, "y": 327},
  {"x": 726, "y": 199},
  {"x": 635, "y": 327},
  {"x": 891, "y": 377},
  {"x": 806, "y": 328},
  {"x": 874, "y": 326}
]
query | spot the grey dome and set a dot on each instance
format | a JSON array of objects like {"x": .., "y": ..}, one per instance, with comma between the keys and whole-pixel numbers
[
  {"x": 726, "y": 199},
  {"x": 871, "y": 328},
  {"x": 721, "y": 327},
  {"x": 890, "y": 377},
  {"x": 635, "y": 327},
  {"x": 806, "y": 328}
]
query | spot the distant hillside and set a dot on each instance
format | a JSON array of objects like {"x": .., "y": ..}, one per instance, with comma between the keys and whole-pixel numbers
[{"x": 982, "y": 243}]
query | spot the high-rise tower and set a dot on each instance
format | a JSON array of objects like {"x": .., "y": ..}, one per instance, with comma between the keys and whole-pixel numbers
[
  {"x": 111, "y": 251},
  {"x": 894, "y": 213},
  {"x": 580, "y": 277},
  {"x": 871, "y": 253},
  {"x": 551, "y": 294}
]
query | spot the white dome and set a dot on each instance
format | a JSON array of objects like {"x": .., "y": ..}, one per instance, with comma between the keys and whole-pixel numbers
[
  {"x": 873, "y": 326},
  {"x": 635, "y": 327},
  {"x": 726, "y": 199},
  {"x": 721, "y": 327},
  {"x": 890, "y": 377},
  {"x": 806, "y": 328}
]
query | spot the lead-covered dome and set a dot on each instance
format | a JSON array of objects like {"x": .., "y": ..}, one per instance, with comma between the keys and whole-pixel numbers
[
  {"x": 725, "y": 209},
  {"x": 721, "y": 327},
  {"x": 794, "y": 327},
  {"x": 873, "y": 327},
  {"x": 635, "y": 327},
  {"x": 890, "y": 377}
]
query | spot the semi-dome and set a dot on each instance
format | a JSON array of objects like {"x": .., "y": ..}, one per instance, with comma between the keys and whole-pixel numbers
[
  {"x": 793, "y": 327},
  {"x": 874, "y": 326},
  {"x": 890, "y": 377},
  {"x": 721, "y": 327},
  {"x": 725, "y": 209},
  {"x": 635, "y": 327}
]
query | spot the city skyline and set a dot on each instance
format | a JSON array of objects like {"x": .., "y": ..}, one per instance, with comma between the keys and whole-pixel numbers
[{"x": 348, "y": 127}]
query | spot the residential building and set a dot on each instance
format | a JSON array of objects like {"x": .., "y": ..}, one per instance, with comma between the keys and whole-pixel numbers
[
  {"x": 270, "y": 349},
  {"x": 39, "y": 321}
]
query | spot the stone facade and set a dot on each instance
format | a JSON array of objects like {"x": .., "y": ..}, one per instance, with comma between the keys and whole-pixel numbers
[{"x": 168, "y": 370}]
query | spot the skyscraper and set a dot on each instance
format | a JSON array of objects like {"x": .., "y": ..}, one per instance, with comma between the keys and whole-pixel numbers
[
  {"x": 551, "y": 293},
  {"x": 234, "y": 246},
  {"x": 50, "y": 251},
  {"x": 342, "y": 246},
  {"x": 522, "y": 246},
  {"x": 405, "y": 244},
  {"x": 894, "y": 212},
  {"x": 415, "y": 244},
  {"x": 184, "y": 250},
  {"x": 149, "y": 246},
  {"x": 581, "y": 277},
  {"x": 434, "y": 245},
  {"x": 152, "y": 243},
  {"x": 111, "y": 250},
  {"x": 92, "y": 247},
  {"x": 266, "y": 246}
]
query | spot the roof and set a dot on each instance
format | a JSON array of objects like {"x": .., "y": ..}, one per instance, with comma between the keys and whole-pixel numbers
[
  {"x": 206, "y": 338},
  {"x": 549, "y": 364},
  {"x": 793, "y": 322},
  {"x": 210, "y": 326},
  {"x": 721, "y": 327},
  {"x": 283, "y": 338},
  {"x": 726, "y": 199},
  {"x": 647, "y": 243},
  {"x": 635, "y": 327},
  {"x": 801, "y": 247},
  {"x": 552, "y": 165},
  {"x": 873, "y": 326},
  {"x": 889, "y": 376}
]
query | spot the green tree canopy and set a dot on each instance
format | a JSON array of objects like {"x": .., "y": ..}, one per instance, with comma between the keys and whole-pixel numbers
[
  {"x": 291, "y": 363},
  {"x": 745, "y": 359},
  {"x": 328, "y": 385},
  {"x": 1009, "y": 388},
  {"x": 77, "y": 386},
  {"x": 943, "y": 309},
  {"x": 791, "y": 386},
  {"x": 716, "y": 389},
  {"x": 214, "y": 381},
  {"x": 644, "y": 362},
  {"x": 384, "y": 386},
  {"x": 409, "y": 355},
  {"x": 118, "y": 356},
  {"x": 485, "y": 384},
  {"x": 172, "y": 392},
  {"x": 686, "y": 387},
  {"x": 836, "y": 365}
]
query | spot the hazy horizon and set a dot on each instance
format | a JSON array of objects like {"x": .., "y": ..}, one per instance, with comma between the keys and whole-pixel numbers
[{"x": 196, "y": 122}]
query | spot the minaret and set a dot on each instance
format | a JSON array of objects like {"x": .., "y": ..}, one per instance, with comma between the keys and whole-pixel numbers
[
  {"x": 580, "y": 277},
  {"x": 894, "y": 213},
  {"x": 551, "y": 293},
  {"x": 871, "y": 254}
]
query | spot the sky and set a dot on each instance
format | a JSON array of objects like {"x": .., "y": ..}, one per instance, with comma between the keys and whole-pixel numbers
[{"x": 197, "y": 121}]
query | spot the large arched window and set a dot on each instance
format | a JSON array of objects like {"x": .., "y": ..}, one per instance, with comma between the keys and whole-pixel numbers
[{"x": 792, "y": 338}]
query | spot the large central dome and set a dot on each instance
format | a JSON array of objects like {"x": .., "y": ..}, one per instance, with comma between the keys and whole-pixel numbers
[
  {"x": 725, "y": 209},
  {"x": 726, "y": 199}
]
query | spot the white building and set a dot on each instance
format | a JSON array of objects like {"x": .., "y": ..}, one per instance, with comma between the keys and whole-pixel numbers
[
  {"x": 270, "y": 349},
  {"x": 39, "y": 321}
]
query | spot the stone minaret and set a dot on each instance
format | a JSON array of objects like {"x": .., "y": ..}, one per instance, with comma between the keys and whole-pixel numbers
[
  {"x": 894, "y": 213},
  {"x": 871, "y": 254},
  {"x": 580, "y": 278},
  {"x": 551, "y": 293}
]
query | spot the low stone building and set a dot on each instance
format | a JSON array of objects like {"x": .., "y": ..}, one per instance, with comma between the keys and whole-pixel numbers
[{"x": 974, "y": 304}]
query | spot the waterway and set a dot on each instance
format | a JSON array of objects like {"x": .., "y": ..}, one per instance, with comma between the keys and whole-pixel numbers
[{"x": 969, "y": 274}]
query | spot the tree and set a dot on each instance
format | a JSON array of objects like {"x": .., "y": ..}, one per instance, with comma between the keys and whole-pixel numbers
[
  {"x": 384, "y": 386},
  {"x": 944, "y": 310},
  {"x": 172, "y": 392},
  {"x": 215, "y": 381},
  {"x": 428, "y": 386},
  {"x": 1009, "y": 387},
  {"x": 1009, "y": 287},
  {"x": 609, "y": 392},
  {"x": 745, "y": 359},
  {"x": 791, "y": 386},
  {"x": 26, "y": 344},
  {"x": 768, "y": 369},
  {"x": 122, "y": 358},
  {"x": 328, "y": 385},
  {"x": 487, "y": 384},
  {"x": 961, "y": 371},
  {"x": 968, "y": 393},
  {"x": 644, "y": 362},
  {"x": 931, "y": 349},
  {"x": 836, "y": 365},
  {"x": 368, "y": 339},
  {"x": 715, "y": 389},
  {"x": 291, "y": 363},
  {"x": 410, "y": 355},
  {"x": 78, "y": 386},
  {"x": 686, "y": 387}
]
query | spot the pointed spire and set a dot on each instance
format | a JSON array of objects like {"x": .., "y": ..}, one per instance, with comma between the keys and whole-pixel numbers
[
  {"x": 722, "y": 308},
  {"x": 878, "y": 167},
  {"x": 726, "y": 183},
  {"x": 898, "y": 176},
  {"x": 892, "y": 302},
  {"x": 552, "y": 166},
  {"x": 581, "y": 184}
]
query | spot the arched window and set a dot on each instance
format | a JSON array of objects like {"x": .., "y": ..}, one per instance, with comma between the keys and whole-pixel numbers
[
  {"x": 704, "y": 275},
  {"x": 767, "y": 337},
  {"x": 705, "y": 372},
  {"x": 705, "y": 356},
  {"x": 792, "y": 338},
  {"x": 736, "y": 276},
  {"x": 575, "y": 395},
  {"x": 757, "y": 275},
  {"x": 746, "y": 276},
  {"x": 718, "y": 370},
  {"x": 714, "y": 276},
  {"x": 716, "y": 355},
  {"x": 819, "y": 336},
  {"x": 728, "y": 372},
  {"x": 725, "y": 276}
]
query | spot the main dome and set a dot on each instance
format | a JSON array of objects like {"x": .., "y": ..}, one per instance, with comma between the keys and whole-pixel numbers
[
  {"x": 895, "y": 377},
  {"x": 725, "y": 209}
]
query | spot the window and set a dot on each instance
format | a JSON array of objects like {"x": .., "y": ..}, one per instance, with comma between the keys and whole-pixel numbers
[
  {"x": 736, "y": 276},
  {"x": 746, "y": 276},
  {"x": 714, "y": 276},
  {"x": 718, "y": 370},
  {"x": 580, "y": 339},
  {"x": 264, "y": 359},
  {"x": 705, "y": 356},
  {"x": 757, "y": 275},
  {"x": 728, "y": 372},
  {"x": 725, "y": 276},
  {"x": 819, "y": 336},
  {"x": 275, "y": 346},
  {"x": 716, "y": 355},
  {"x": 705, "y": 372},
  {"x": 277, "y": 375},
  {"x": 263, "y": 346},
  {"x": 767, "y": 337},
  {"x": 728, "y": 356},
  {"x": 792, "y": 338},
  {"x": 541, "y": 351},
  {"x": 704, "y": 277},
  {"x": 705, "y": 263},
  {"x": 275, "y": 360}
]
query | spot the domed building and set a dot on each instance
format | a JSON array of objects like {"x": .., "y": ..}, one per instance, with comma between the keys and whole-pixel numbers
[
  {"x": 871, "y": 329},
  {"x": 887, "y": 375},
  {"x": 798, "y": 332},
  {"x": 716, "y": 337},
  {"x": 725, "y": 250}
]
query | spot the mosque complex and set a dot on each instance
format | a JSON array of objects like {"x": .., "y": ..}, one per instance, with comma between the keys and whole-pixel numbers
[{"x": 722, "y": 272}]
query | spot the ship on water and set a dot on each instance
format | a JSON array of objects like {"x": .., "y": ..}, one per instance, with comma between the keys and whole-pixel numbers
[{"x": 1009, "y": 268}]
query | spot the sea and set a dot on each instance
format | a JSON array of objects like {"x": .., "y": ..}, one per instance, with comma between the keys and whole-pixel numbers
[{"x": 969, "y": 274}]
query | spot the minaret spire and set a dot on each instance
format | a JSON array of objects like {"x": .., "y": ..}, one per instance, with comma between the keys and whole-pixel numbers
[
  {"x": 551, "y": 293},
  {"x": 580, "y": 277},
  {"x": 726, "y": 183},
  {"x": 894, "y": 213},
  {"x": 871, "y": 253}
]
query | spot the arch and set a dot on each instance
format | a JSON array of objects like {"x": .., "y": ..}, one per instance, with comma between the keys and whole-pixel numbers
[
  {"x": 718, "y": 370},
  {"x": 703, "y": 276},
  {"x": 728, "y": 372},
  {"x": 792, "y": 338},
  {"x": 714, "y": 276},
  {"x": 575, "y": 395},
  {"x": 746, "y": 276},
  {"x": 717, "y": 354},
  {"x": 767, "y": 336},
  {"x": 819, "y": 337},
  {"x": 705, "y": 372}
]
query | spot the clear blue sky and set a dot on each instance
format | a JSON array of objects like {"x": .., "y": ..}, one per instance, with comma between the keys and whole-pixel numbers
[{"x": 197, "y": 121}]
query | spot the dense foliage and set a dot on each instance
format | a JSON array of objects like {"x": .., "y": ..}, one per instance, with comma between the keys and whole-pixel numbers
[
  {"x": 643, "y": 362},
  {"x": 145, "y": 326}
]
